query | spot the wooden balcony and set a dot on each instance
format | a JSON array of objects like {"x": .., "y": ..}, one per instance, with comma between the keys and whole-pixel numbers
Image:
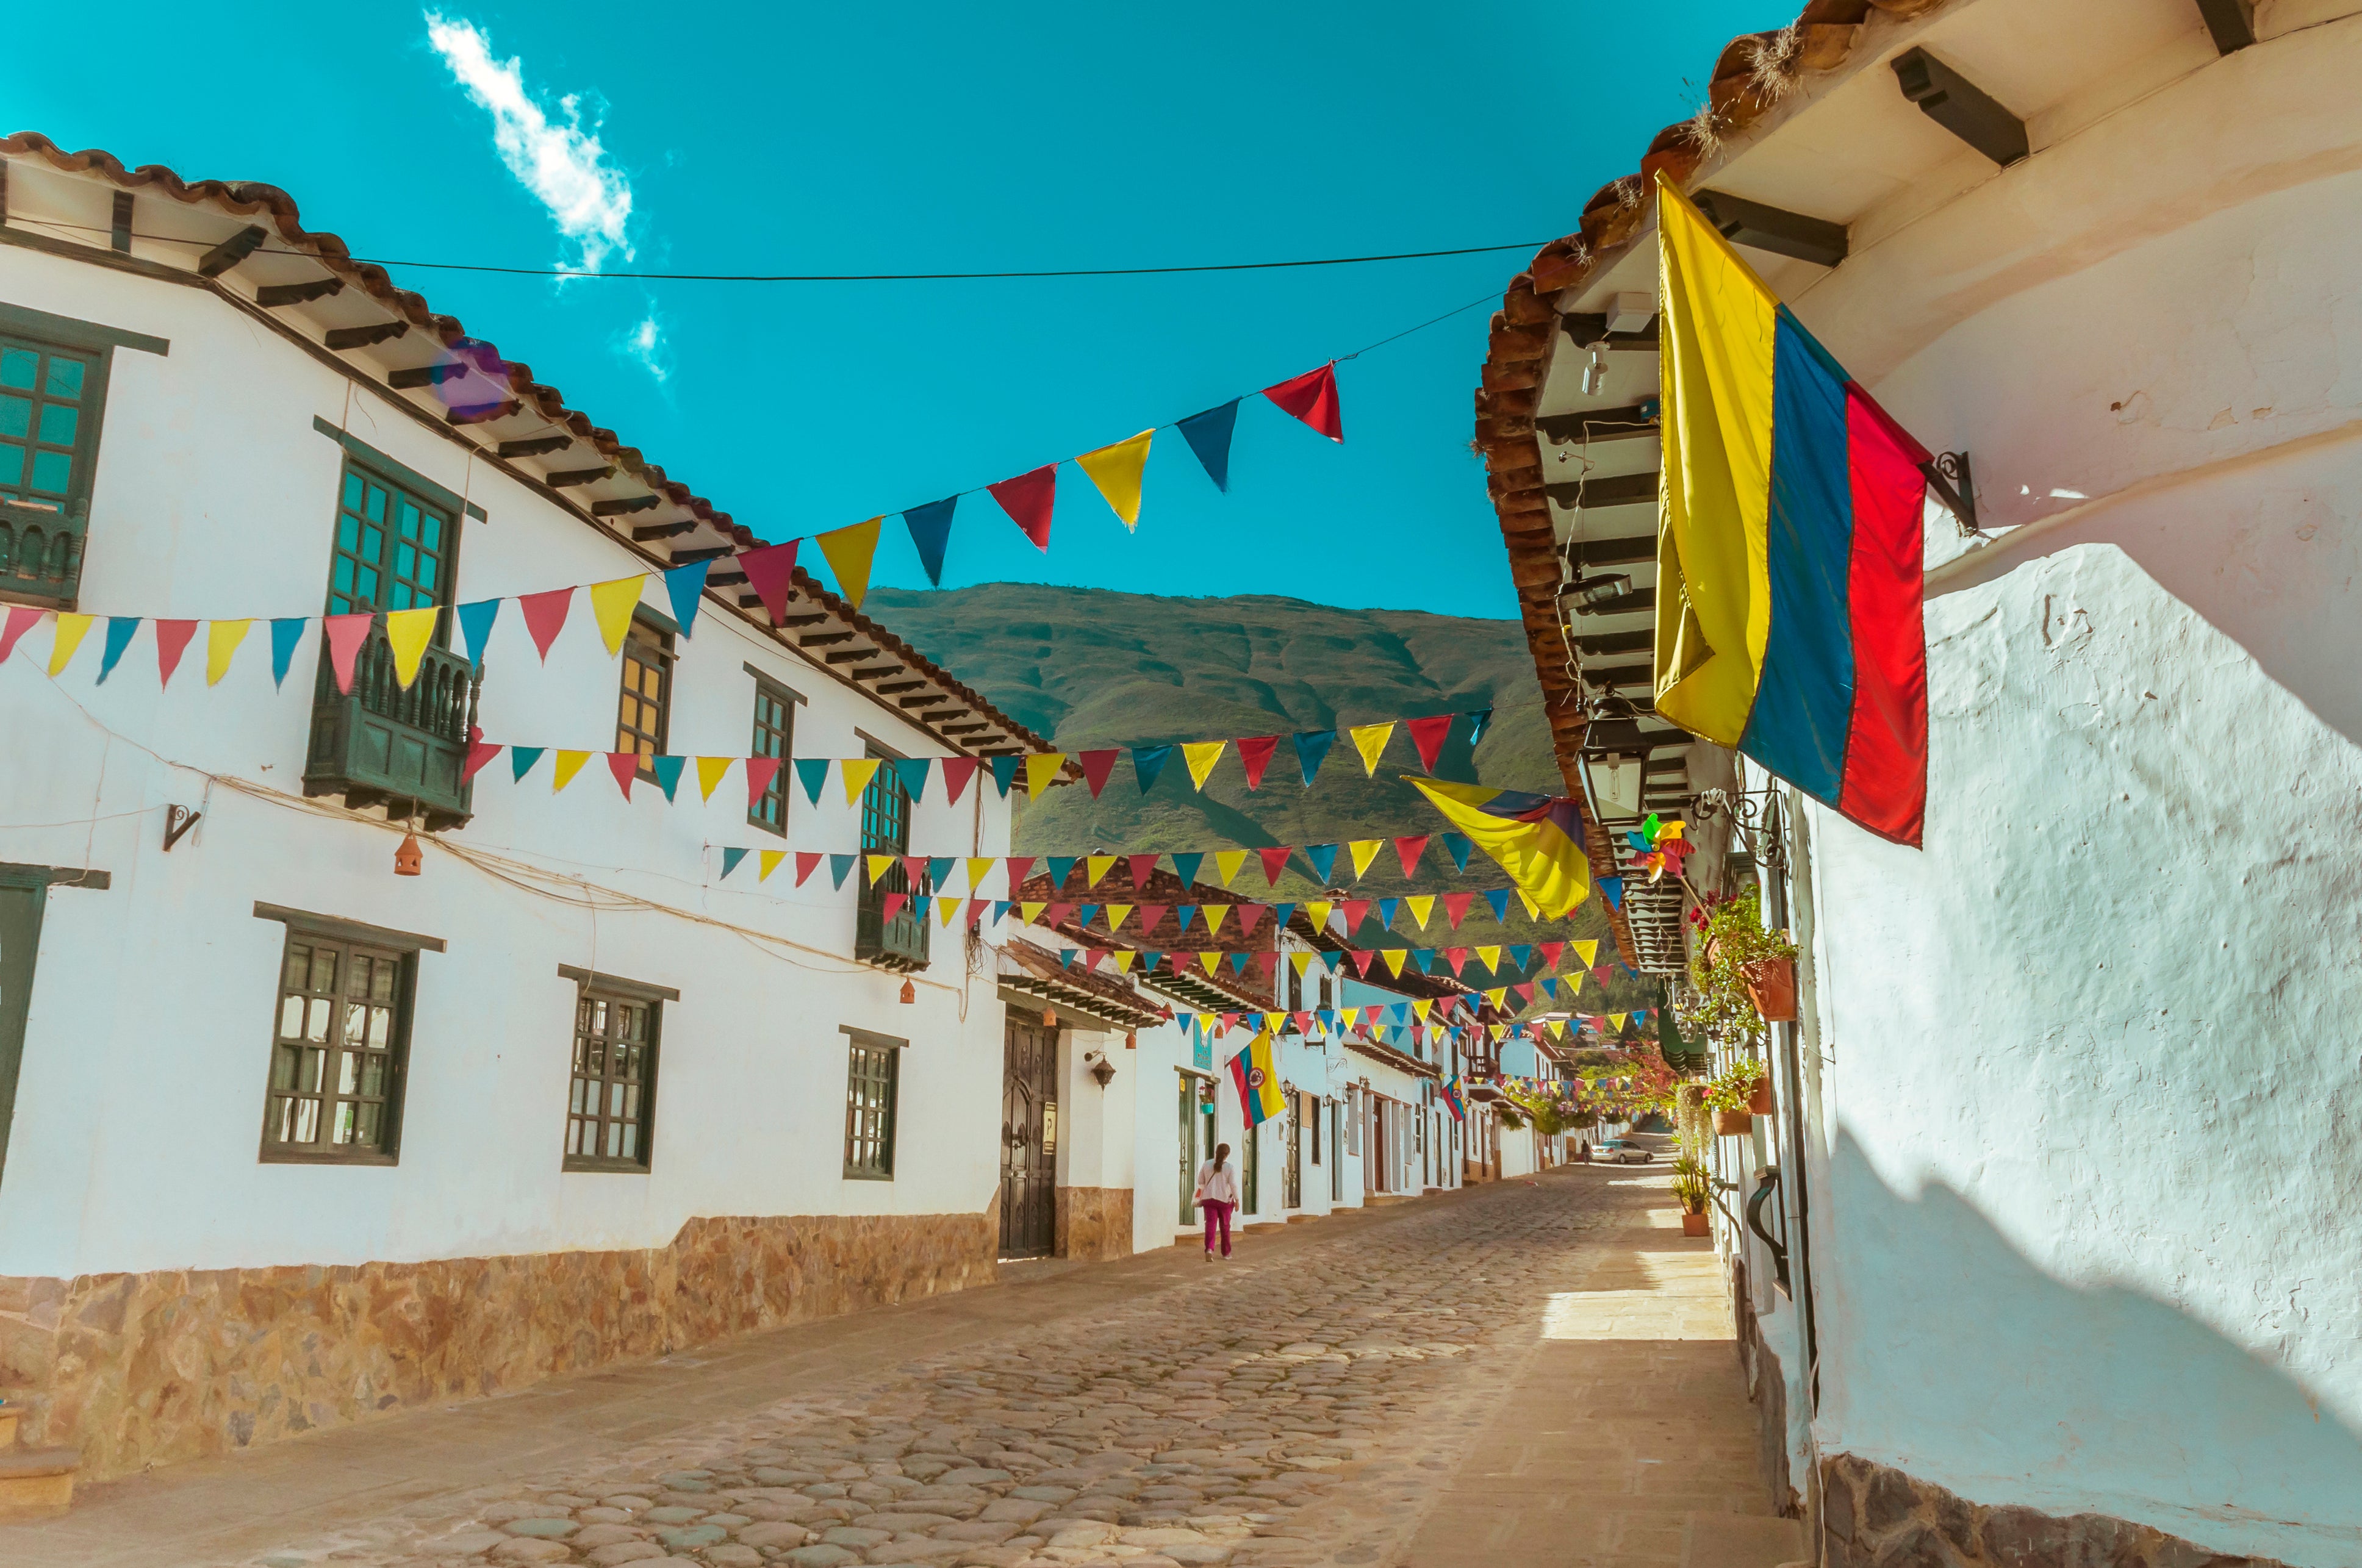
[
  {"x": 380, "y": 746},
  {"x": 898, "y": 943},
  {"x": 40, "y": 555}
]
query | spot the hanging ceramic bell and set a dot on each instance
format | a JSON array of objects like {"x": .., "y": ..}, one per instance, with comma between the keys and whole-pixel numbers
[{"x": 407, "y": 857}]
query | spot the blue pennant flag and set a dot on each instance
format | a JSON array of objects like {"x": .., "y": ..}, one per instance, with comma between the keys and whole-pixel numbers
[
  {"x": 1186, "y": 868},
  {"x": 840, "y": 866},
  {"x": 522, "y": 759},
  {"x": 1147, "y": 762},
  {"x": 475, "y": 627},
  {"x": 1001, "y": 909},
  {"x": 931, "y": 530},
  {"x": 1004, "y": 773},
  {"x": 1280, "y": 914},
  {"x": 1499, "y": 898},
  {"x": 1459, "y": 845},
  {"x": 669, "y": 773},
  {"x": 1614, "y": 887},
  {"x": 1324, "y": 860},
  {"x": 1066, "y": 957},
  {"x": 1149, "y": 959},
  {"x": 1311, "y": 745},
  {"x": 1086, "y": 914},
  {"x": 1522, "y": 955},
  {"x": 939, "y": 871},
  {"x": 1333, "y": 959},
  {"x": 1477, "y": 722},
  {"x": 1238, "y": 963},
  {"x": 1402, "y": 1012},
  {"x": 1061, "y": 867},
  {"x": 730, "y": 858},
  {"x": 285, "y": 635},
  {"x": 119, "y": 629},
  {"x": 1208, "y": 434},
  {"x": 812, "y": 771},
  {"x": 1386, "y": 912},
  {"x": 1184, "y": 915},
  {"x": 912, "y": 772},
  {"x": 1424, "y": 959},
  {"x": 685, "y": 586}
]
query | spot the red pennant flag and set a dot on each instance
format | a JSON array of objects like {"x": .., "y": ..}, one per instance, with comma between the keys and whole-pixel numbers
[
  {"x": 1149, "y": 915},
  {"x": 914, "y": 871},
  {"x": 1057, "y": 914},
  {"x": 1020, "y": 868},
  {"x": 1231, "y": 1019},
  {"x": 1312, "y": 397},
  {"x": 1354, "y": 910},
  {"x": 1361, "y": 959},
  {"x": 891, "y": 906},
  {"x": 479, "y": 754},
  {"x": 957, "y": 771},
  {"x": 172, "y": 641},
  {"x": 1275, "y": 861},
  {"x": 1456, "y": 906},
  {"x": 807, "y": 862},
  {"x": 1096, "y": 766},
  {"x": 21, "y": 620},
  {"x": 1094, "y": 957},
  {"x": 976, "y": 907},
  {"x": 346, "y": 634},
  {"x": 1267, "y": 962},
  {"x": 1603, "y": 974},
  {"x": 760, "y": 772},
  {"x": 1456, "y": 957},
  {"x": 545, "y": 613},
  {"x": 1255, "y": 753},
  {"x": 1550, "y": 952},
  {"x": 1410, "y": 849},
  {"x": 771, "y": 573},
  {"x": 1027, "y": 499},
  {"x": 625, "y": 767},
  {"x": 1303, "y": 1022},
  {"x": 1143, "y": 867},
  {"x": 1250, "y": 916},
  {"x": 1429, "y": 735},
  {"x": 1525, "y": 993}
]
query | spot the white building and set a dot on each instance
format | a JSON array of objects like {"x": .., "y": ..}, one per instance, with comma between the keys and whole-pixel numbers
[
  {"x": 295, "y": 1139},
  {"x": 2063, "y": 1185}
]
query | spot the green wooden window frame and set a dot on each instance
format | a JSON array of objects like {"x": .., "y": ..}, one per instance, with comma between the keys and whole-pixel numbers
[
  {"x": 873, "y": 1082},
  {"x": 611, "y": 1103},
  {"x": 774, "y": 729},
  {"x": 393, "y": 550},
  {"x": 52, "y": 397},
  {"x": 644, "y": 707},
  {"x": 339, "y": 1051}
]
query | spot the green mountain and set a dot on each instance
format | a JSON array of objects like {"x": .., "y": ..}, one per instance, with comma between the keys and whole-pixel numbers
[{"x": 1090, "y": 668}]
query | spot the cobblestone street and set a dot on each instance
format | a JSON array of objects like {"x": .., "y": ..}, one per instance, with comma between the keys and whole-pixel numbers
[{"x": 1525, "y": 1373}]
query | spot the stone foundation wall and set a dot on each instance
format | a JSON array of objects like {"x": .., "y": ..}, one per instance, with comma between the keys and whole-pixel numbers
[
  {"x": 1094, "y": 1222},
  {"x": 1875, "y": 1517},
  {"x": 138, "y": 1369},
  {"x": 1768, "y": 1387}
]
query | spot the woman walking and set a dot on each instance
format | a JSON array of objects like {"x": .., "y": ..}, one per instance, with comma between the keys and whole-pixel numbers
[{"x": 1217, "y": 1195}]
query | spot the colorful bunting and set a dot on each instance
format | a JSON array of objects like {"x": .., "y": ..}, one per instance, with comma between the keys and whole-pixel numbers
[
  {"x": 612, "y": 603},
  {"x": 1254, "y": 756},
  {"x": 1029, "y": 499},
  {"x": 475, "y": 627},
  {"x": 1147, "y": 762},
  {"x": 222, "y": 638},
  {"x": 1201, "y": 755},
  {"x": 1116, "y": 471},
  {"x": 772, "y": 572},
  {"x": 931, "y": 530},
  {"x": 1312, "y": 397},
  {"x": 1311, "y": 745},
  {"x": 1370, "y": 740},
  {"x": 544, "y": 616},
  {"x": 407, "y": 632},
  {"x": 849, "y": 552},
  {"x": 1208, "y": 434},
  {"x": 119, "y": 631},
  {"x": 685, "y": 591},
  {"x": 172, "y": 640}
]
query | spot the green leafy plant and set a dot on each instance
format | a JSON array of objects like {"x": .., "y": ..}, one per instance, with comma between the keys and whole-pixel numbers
[
  {"x": 1735, "y": 938},
  {"x": 1692, "y": 1188},
  {"x": 1731, "y": 1088}
]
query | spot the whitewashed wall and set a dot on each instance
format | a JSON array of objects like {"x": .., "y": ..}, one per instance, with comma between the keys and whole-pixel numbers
[{"x": 140, "y": 1108}]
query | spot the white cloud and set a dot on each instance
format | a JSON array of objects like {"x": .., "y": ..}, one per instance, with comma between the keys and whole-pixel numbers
[
  {"x": 560, "y": 162},
  {"x": 645, "y": 344}
]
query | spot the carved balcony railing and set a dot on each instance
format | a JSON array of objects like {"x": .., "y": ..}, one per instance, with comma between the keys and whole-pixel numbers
[
  {"x": 380, "y": 746},
  {"x": 897, "y": 943},
  {"x": 40, "y": 555}
]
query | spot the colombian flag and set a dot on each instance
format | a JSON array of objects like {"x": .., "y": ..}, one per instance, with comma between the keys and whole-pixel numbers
[
  {"x": 1258, "y": 1080},
  {"x": 1451, "y": 1101},
  {"x": 1537, "y": 839},
  {"x": 1789, "y": 551}
]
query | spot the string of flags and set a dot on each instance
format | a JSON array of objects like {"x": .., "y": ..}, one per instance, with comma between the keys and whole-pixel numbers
[
  {"x": 1427, "y": 733},
  {"x": 1418, "y": 1020}
]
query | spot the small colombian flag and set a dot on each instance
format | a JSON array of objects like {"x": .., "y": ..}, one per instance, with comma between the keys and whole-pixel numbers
[
  {"x": 1537, "y": 839},
  {"x": 1451, "y": 1101},
  {"x": 1258, "y": 1080}
]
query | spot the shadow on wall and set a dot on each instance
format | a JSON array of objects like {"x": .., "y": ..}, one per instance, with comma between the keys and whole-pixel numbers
[{"x": 1948, "y": 1355}]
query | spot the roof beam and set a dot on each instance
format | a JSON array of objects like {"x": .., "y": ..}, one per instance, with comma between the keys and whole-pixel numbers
[
  {"x": 271, "y": 296},
  {"x": 2232, "y": 22},
  {"x": 926, "y": 701},
  {"x": 825, "y": 638},
  {"x": 1597, "y": 424},
  {"x": 671, "y": 531},
  {"x": 848, "y": 655},
  {"x": 1585, "y": 330},
  {"x": 531, "y": 446},
  {"x": 1960, "y": 106},
  {"x": 1774, "y": 229},
  {"x": 230, "y": 252},
  {"x": 871, "y": 672},
  {"x": 1630, "y": 603},
  {"x": 120, "y": 238},
  {"x": 565, "y": 478},
  {"x": 1634, "y": 550},
  {"x": 1640, "y": 641},
  {"x": 1622, "y": 675},
  {"x": 703, "y": 553},
  {"x": 1608, "y": 490},
  {"x": 414, "y": 376},
  {"x": 341, "y": 337},
  {"x": 483, "y": 413},
  {"x": 626, "y": 507}
]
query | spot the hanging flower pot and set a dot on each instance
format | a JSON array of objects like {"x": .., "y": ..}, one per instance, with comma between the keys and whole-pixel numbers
[
  {"x": 1733, "y": 1123},
  {"x": 1695, "y": 1225},
  {"x": 1771, "y": 983},
  {"x": 1760, "y": 1102}
]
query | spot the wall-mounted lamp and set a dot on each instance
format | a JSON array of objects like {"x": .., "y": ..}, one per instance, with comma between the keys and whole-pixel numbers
[
  {"x": 1101, "y": 1068},
  {"x": 1598, "y": 590},
  {"x": 1595, "y": 373}
]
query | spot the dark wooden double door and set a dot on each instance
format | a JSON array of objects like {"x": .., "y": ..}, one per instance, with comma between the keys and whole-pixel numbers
[{"x": 1029, "y": 1141}]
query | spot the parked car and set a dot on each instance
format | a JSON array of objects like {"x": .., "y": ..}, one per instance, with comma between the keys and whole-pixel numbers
[{"x": 1623, "y": 1151}]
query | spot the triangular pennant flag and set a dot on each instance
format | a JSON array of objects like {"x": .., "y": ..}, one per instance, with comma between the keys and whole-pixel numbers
[
  {"x": 812, "y": 772},
  {"x": 1393, "y": 957},
  {"x": 1522, "y": 955},
  {"x": 1370, "y": 740},
  {"x": 1019, "y": 866},
  {"x": 1116, "y": 471},
  {"x": 772, "y": 572},
  {"x": 612, "y": 603},
  {"x": 850, "y": 552},
  {"x": 1183, "y": 916},
  {"x": 222, "y": 638},
  {"x": 946, "y": 911},
  {"x": 1004, "y": 773},
  {"x": 1186, "y": 867},
  {"x": 1097, "y": 766},
  {"x": 1115, "y": 914},
  {"x": 1387, "y": 908},
  {"x": 1150, "y": 915},
  {"x": 569, "y": 764},
  {"x": 1275, "y": 861},
  {"x": 730, "y": 858},
  {"x": 710, "y": 771},
  {"x": 1586, "y": 951},
  {"x": 625, "y": 767},
  {"x": 939, "y": 871},
  {"x": 857, "y": 772},
  {"x": 1201, "y": 755},
  {"x": 1029, "y": 499},
  {"x": 1311, "y": 745},
  {"x": 760, "y": 772},
  {"x": 1210, "y": 961},
  {"x": 1491, "y": 957},
  {"x": 522, "y": 759},
  {"x": 1040, "y": 769},
  {"x": 1318, "y": 911},
  {"x": 807, "y": 862},
  {"x": 1254, "y": 756},
  {"x": 1459, "y": 845},
  {"x": 1355, "y": 910},
  {"x": 1363, "y": 851},
  {"x": 345, "y": 636},
  {"x": 669, "y": 772},
  {"x": 1499, "y": 898},
  {"x": 767, "y": 863},
  {"x": 1214, "y": 914},
  {"x": 1550, "y": 952},
  {"x": 479, "y": 754},
  {"x": 1323, "y": 857},
  {"x": 1429, "y": 734},
  {"x": 840, "y": 867},
  {"x": 544, "y": 616},
  {"x": 1477, "y": 722},
  {"x": 1086, "y": 914},
  {"x": 1457, "y": 958},
  {"x": 878, "y": 864},
  {"x": 71, "y": 628},
  {"x": 1312, "y": 397},
  {"x": 1455, "y": 907},
  {"x": 685, "y": 591},
  {"x": 1208, "y": 434},
  {"x": 1226, "y": 863},
  {"x": 286, "y": 635},
  {"x": 1614, "y": 887},
  {"x": 1409, "y": 850},
  {"x": 1142, "y": 866},
  {"x": 913, "y": 771},
  {"x": 891, "y": 906},
  {"x": 931, "y": 530},
  {"x": 1421, "y": 906},
  {"x": 475, "y": 627},
  {"x": 23, "y": 618},
  {"x": 980, "y": 866},
  {"x": 1030, "y": 911},
  {"x": 957, "y": 771},
  {"x": 1060, "y": 867},
  {"x": 1095, "y": 866},
  {"x": 1361, "y": 957},
  {"x": 1147, "y": 762},
  {"x": 407, "y": 632},
  {"x": 120, "y": 629}
]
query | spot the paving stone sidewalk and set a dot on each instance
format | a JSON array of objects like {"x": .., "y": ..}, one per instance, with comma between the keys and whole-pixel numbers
[{"x": 1311, "y": 1402}]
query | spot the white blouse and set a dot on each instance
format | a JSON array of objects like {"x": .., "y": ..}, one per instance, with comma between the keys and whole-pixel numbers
[{"x": 1219, "y": 1186}]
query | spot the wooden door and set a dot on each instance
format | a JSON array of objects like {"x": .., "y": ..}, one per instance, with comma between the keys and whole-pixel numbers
[
  {"x": 1294, "y": 1182},
  {"x": 20, "y": 935},
  {"x": 1029, "y": 1141}
]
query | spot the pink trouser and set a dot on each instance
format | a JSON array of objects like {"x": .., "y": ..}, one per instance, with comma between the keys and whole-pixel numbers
[{"x": 1218, "y": 1213}]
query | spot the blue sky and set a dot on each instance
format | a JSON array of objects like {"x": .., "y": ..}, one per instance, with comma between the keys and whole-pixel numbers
[{"x": 948, "y": 138}]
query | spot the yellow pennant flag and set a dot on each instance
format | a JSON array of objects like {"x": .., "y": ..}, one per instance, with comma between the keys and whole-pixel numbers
[
  {"x": 1617, "y": 1020},
  {"x": 1491, "y": 956},
  {"x": 1370, "y": 740},
  {"x": 1115, "y": 913},
  {"x": 1272, "y": 1020},
  {"x": 1226, "y": 863},
  {"x": 1533, "y": 910},
  {"x": 1318, "y": 911},
  {"x": 980, "y": 866},
  {"x": 1421, "y": 1005},
  {"x": 1116, "y": 471},
  {"x": 1123, "y": 957},
  {"x": 1420, "y": 908},
  {"x": 1587, "y": 950},
  {"x": 1497, "y": 997},
  {"x": 1095, "y": 866},
  {"x": 1302, "y": 961},
  {"x": 1393, "y": 957},
  {"x": 1214, "y": 913},
  {"x": 222, "y": 638},
  {"x": 563, "y": 770},
  {"x": 408, "y": 632},
  {"x": 877, "y": 864},
  {"x": 849, "y": 551},
  {"x": 946, "y": 911},
  {"x": 857, "y": 771},
  {"x": 612, "y": 602},
  {"x": 1209, "y": 960},
  {"x": 709, "y": 770},
  {"x": 769, "y": 862},
  {"x": 69, "y": 633},
  {"x": 1040, "y": 769},
  {"x": 1201, "y": 755},
  {"x": 1363, "y": 851},
  {"x": 1030, "y": 912}
]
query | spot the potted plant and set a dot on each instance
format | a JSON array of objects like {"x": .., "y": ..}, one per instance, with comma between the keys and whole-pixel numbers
[
  {"x": 1731, "y": 1095},
  {"x": 1692, "y": 1190},
  {"x": 1745, "y": 976}
]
